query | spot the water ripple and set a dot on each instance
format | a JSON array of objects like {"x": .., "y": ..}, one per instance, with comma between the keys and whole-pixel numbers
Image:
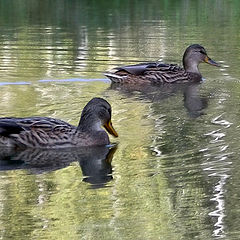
[
  {"x": 218, "y": 166},
  {"x": 222, "y": 122}
]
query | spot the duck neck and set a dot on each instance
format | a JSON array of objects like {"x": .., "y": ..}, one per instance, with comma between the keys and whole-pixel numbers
[
  {"x": 191, "y": 66},
  {"x": 91, "y": 132},
  {"x": 89, "y": 123}
]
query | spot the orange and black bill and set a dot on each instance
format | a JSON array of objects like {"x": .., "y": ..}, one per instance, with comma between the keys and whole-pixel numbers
[
  {"x": 210, "y": 61},
  {"x": 109, "y": 127}
]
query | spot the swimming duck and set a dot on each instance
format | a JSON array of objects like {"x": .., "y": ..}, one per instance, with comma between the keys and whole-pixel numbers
[
  {"x": 156, "y": 72},
  {"x": 45, "y": 132}
]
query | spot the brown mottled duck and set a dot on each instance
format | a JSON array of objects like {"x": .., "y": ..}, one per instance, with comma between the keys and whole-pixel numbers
[
  {"x": 157, "y": 72},
  {"x": 45, "y": 132}
]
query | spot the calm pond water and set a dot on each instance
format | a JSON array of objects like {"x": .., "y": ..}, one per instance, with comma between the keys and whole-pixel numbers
[{"x": 173, "y": 173}]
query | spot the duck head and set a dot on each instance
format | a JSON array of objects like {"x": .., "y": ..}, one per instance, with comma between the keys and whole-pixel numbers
[
  {"x": 96, "y": 114},
  {"x": 194, "y": 55}
]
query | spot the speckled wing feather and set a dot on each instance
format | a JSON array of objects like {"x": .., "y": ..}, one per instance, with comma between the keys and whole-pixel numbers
[
  {"x": 153, "y": 72},
  {"x": 36, "y": 132},
  {"x": 166, "y": 73}
]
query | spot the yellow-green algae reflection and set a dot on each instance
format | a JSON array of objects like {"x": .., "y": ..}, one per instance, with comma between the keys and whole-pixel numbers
[
  {"x": 175, "y": 173},
  {"x": 59, "y": 204}
]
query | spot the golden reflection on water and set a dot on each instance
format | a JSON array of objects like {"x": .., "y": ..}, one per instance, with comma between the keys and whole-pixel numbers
[{"x": 175, "y": 172}]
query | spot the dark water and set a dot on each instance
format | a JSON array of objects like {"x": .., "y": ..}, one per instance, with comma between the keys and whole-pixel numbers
[{"x": 174, "y": 173}]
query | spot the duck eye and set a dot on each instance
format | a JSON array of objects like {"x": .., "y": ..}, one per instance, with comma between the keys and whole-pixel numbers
[
  {"x": 104, "y": 112},
  {"x": 202, "y": 52}
]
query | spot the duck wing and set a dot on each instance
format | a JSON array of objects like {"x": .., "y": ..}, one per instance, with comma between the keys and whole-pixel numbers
[
  {"x": 35, "y": 132},
  {"x": 166, "y": 73},
  {"x": 138, "y": 69},
  {"x": 154, "y": 72},
  {"x": 9, "y": 127}
]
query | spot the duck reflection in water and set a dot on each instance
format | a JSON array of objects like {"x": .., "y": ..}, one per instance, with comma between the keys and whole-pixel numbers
[
  {"x": 95, "y": 162},
  {"x": 193, "y": 101}
]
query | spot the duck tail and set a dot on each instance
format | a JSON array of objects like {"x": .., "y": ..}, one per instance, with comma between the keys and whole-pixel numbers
[
  {"x": 114, "y": 77},
  {"x": 9, "y": 127}
]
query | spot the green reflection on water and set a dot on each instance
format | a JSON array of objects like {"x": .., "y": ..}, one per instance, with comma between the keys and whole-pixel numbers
[
  {"x": 62, "y": 39},
  {"x": 160, "y": 188}
]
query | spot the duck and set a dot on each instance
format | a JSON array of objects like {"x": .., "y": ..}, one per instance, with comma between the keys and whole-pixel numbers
[
  {"x": 158, "y": 73},
  {"x": 46, "y": 132}
]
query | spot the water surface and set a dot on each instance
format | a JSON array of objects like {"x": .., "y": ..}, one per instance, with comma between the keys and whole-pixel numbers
[{"x": 174, "y": 173}]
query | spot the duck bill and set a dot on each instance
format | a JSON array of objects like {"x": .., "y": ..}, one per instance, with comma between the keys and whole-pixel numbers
[
  {"x": 109, "y": 127},
  {"x": 210, "y": 61}
]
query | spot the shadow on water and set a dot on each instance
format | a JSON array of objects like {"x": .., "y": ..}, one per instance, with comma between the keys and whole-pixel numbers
[
  {"x": 193, "y": 102},
  {"x": 95, "y": 162}
]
